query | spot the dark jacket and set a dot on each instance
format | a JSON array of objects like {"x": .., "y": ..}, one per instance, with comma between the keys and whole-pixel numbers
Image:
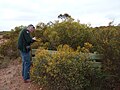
[{"x": 24, "y": 40}]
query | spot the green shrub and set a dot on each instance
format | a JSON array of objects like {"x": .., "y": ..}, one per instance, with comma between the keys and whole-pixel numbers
[
  {"x": 107, "y": 41},
  {"x": 65, "y": 69},
  {"x": 9, "y": 49},
  {"x": 37, "y": 44}
]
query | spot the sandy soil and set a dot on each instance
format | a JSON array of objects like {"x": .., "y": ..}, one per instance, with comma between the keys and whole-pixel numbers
[{"x": 11, "y": 79}]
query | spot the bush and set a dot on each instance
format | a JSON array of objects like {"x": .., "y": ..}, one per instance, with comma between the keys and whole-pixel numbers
[
  {"x": 106, "y": 41},
  {"x": 65, "y": 69},
  {"x": 37, "y": 44},
  {"x": 9, "y": 47}
]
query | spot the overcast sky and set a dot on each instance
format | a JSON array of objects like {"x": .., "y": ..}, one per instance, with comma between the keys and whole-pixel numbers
[{"x": 23, "y": 12}]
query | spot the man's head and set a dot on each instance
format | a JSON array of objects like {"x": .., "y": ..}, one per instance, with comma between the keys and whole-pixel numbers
[{"x": 31, "y": 28}]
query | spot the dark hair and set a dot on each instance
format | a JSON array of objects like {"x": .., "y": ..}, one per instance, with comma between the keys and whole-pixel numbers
[{"x": 31, "y": 25}]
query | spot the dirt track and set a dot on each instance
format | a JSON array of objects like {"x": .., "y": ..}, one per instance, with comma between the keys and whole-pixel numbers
[{"x": 10, "y": 78}]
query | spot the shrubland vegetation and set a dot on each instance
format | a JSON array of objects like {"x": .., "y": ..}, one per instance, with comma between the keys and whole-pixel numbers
[{"x": 67, "y": 69}]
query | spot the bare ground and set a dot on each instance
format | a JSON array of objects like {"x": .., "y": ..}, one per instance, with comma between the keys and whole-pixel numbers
[{"x": 11, "y": 79}]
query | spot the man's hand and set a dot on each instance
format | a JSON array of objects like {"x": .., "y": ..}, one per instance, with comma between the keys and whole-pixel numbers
[{"x": 34, "y": 38}]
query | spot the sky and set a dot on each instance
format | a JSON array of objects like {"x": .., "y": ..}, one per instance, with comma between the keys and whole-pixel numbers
[{"x": 24, "y": 12}]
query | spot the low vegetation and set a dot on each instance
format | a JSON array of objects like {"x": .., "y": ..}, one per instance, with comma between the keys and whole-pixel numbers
[{"x": 63, "y": 65}]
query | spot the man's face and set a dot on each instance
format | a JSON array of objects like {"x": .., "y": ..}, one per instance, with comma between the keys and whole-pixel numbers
[{"x": 32, "y": 29}]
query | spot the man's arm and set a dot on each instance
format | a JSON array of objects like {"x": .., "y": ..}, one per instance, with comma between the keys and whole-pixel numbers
[{"x": 28, "y": 38}]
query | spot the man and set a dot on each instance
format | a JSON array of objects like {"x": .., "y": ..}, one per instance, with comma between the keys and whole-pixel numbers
[{"x": 24, "y": 42}]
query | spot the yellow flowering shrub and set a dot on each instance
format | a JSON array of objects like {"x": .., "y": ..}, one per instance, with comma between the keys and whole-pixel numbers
[{"x": 64, "y": 69}]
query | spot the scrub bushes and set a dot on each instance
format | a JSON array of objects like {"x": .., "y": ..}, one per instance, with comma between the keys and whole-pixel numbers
[{"x": 65, "y": 69}]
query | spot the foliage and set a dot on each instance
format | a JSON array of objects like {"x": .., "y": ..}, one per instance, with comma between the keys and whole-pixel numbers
[
  {"x": 9, "y": 48},
  {"x": 107, "y": 41},
  {"x": 82, "y": 38},
  {"x": 65, "y": 69},
  {"x": 38, "y": 43},
  {"x": 68, "y": 32}
]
